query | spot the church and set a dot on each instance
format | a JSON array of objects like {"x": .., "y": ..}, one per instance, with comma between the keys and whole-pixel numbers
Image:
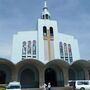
[
  {"x": 44, "y": 55},
  {"x": 45, "y": 43}
]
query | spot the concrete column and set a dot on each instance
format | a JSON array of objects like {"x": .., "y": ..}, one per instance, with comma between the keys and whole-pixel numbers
[
  {"x": 14, "y": 75},
  {"x": 86, "y": 74},
  {"x": 41, "y": 78},
  {"x": 66, "y": 77}
]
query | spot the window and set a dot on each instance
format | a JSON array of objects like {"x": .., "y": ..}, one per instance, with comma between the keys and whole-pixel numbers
[
  {"x": 29, "y": 48},
  {"x": 83, "y": 83},
  {"x": 47, "y": 16},
  {"x": 24, "y": 48},
  {"x": 65, "y": 50},
  {"x": 61, "y": 49},
  {"x": 44, "y": 31},
  {"x": 28, "y": 56},
  {"x": 70, "y": 52},
  {"x": 14, "y": 87},
  {"x": 86, "y": 83},
  {"x": 34, "y": 47},
  {"x": 34, "y": 56},
  {"x": 79, "y": 83},
  {"x": 51, "y": 31},
  {"x": 23, "y": 57}
]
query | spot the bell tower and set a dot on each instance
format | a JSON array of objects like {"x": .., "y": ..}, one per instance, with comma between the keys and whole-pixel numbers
[
  {"x": 45, "y": 12},
  {"x": 48, "y": 36}
]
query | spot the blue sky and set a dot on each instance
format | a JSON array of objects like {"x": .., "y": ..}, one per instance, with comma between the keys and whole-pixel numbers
[{"x": 73, "y": 18}]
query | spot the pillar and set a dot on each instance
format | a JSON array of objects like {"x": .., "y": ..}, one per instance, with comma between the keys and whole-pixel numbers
[
  {"x": 66, "y": 78},
  {"x": 41, "y": 78},
  {"x": 86, "y": 74},
  {"x": 14, "y": 75}
]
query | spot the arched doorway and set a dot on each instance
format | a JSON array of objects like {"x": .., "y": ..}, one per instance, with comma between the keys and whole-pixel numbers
[
  {"x": 51, "y": 31},
  {"x": 28, "y": 78},
  {"x": 50, "y": 76},
  {"x": 44, "y": 31},
  {"x": 2, "y": 77},
  {"x": 76, "y": 73},
  {"x": 89, "y": 74},
  {"x": 80, "y": 75}
]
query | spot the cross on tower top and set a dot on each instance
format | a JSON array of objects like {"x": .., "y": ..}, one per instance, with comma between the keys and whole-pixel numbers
[{"x": 45, "y": 12}]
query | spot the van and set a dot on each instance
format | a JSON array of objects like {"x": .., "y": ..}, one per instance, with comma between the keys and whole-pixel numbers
[
  {"x": 80, "y": 84},
  {"x": 13, "y": 86}
]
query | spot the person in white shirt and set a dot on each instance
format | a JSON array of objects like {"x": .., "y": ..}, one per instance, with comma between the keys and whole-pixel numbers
[{"x": 49, "y": 86}]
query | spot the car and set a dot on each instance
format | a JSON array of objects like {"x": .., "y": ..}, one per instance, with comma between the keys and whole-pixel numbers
[
  {"x": 14, "y": 86},
  {"x": 80, "y": 84}
]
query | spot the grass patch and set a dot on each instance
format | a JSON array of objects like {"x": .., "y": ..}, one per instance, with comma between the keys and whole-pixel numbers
[{"x": 2, "y": 88}]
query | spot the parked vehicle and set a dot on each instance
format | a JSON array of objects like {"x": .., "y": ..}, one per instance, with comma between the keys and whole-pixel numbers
[
  {"x": 80, "y": 84},
  {"x": 14, "y": 86}
]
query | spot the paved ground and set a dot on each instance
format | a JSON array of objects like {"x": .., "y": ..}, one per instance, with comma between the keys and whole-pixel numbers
[{"x": 53, "y": 88}]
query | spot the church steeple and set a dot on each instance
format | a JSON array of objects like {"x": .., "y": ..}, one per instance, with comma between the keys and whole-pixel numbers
[
  {"x": 45, "y": 4},
  {"x": 45, "y": 12}
]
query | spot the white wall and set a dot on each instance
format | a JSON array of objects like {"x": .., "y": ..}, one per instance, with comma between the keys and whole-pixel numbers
[
  {"x": 38, "y": 36},
  {"x": 48, "y": 24},
  {"x": 74, "y": 44},
  {"x": 17, "y": 43}
]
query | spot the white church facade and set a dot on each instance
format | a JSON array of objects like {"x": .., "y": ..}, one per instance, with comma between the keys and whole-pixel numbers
[
  {"x": 44, "y": 55},
  {"x": 45, "y": 43}
]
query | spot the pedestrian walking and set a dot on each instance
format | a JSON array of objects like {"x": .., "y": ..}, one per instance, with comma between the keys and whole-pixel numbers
[
  {"x": 49, "y": 86},
  {"x": 44, "y": 86}
]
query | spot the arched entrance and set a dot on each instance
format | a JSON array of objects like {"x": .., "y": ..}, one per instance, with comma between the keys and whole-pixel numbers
[
  {"x": 2, "y": 77},
  {"x": 27, "y": 79},
  {"x": 50, "y": 76},
  {"x": 5, "y": 74},
  {"x": 76, "y": 73},
  {"x": 80, "y": 75},
  {"x": 89, "y": 74}
]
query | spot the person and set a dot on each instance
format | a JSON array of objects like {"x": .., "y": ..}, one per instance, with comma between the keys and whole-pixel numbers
[
  {"x": 43, "y": 87},
  {"x": 49, "y": 86}
]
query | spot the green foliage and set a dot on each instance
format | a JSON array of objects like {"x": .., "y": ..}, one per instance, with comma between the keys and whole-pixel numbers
[{"x": 2, "y": 88}]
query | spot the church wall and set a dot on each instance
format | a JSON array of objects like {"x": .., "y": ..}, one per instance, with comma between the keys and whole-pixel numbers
[
  {"x": 56, "y": 40},
  {"x": 17, "y": 44},
  {"x": 45, "y": 50},
  {"x": 41, "y": 41},
  {"x": 15, "y": 50},
  {"x": 40, "y": 44},
  {"x": 52, "y": 50},
  {"x": 74, "y": 45},
  {"x": 76, "y": 50},
  {"x": 48, "y": 24}
]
